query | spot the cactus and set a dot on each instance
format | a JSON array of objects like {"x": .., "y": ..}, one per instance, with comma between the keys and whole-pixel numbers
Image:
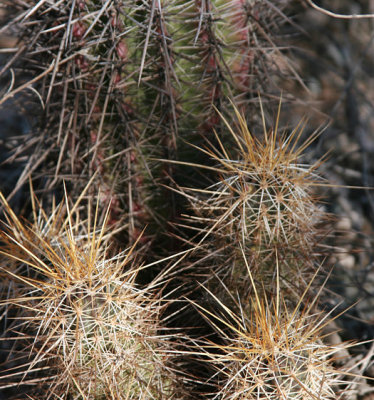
[
  {"x": 123, "y": 86},
  {"x": 260, "y": 204},
  {"x": 83, "y": 321},
  {"x": 123, "y": 83},
  {"x": 275, "y": 352}
]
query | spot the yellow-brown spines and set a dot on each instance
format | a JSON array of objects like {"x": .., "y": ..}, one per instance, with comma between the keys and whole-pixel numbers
[
  {"x": 80, "y": 319},
  {"x": 263, "y": 202}
]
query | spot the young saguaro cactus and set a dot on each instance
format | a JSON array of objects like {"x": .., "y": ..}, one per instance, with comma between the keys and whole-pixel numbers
[{"x": 81, "y": 325}]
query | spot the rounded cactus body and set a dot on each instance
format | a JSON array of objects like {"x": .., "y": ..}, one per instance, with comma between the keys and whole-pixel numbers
[
  {"x": 262, "y": 205},
  {"x": 85, "y": 323},
  {"x": 274, "y": 350}
]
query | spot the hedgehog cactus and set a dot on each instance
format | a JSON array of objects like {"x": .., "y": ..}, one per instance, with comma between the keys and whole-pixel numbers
[
  {"x": 123, "y": 86},
  {"x": 275, "y": 352},
  {"x": 85, "y": 323},
  {"x": 261, "y": 204}
]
